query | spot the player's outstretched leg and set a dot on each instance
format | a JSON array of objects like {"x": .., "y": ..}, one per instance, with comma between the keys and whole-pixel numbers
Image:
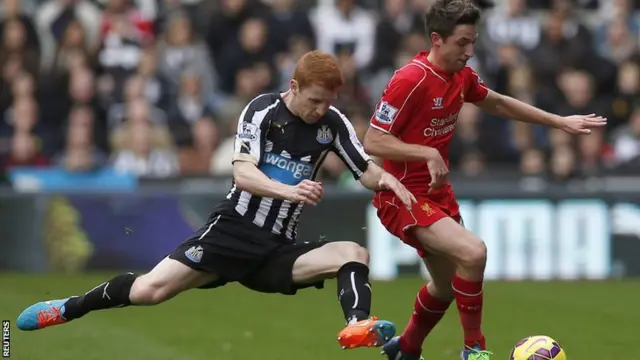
[
  {"x": 112, "y": 293},
  {"x": 429, "y": 307},
  {"x": 347, "y": 262},
  {"x": 166, "y": 280},
  {"x": 469, "y": 254}
]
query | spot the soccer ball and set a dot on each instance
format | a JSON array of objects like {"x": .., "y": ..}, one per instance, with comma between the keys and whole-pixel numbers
[{"x": 537, "y": 347}]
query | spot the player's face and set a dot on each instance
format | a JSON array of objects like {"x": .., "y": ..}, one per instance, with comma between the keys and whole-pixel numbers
[
  {"x": 458, "y": 48},
  {"x": 312, "y": 102}
]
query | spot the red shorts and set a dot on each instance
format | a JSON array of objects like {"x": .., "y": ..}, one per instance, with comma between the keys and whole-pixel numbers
[{"x": 398, "y": 220}]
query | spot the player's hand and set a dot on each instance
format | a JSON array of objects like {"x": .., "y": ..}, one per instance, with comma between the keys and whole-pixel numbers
[
  {"x": 389, "y": 182},
  {"x": 307, "y": 191},
  {"x": 437, "y": 169},
  {"x": 581, "y": 124}
]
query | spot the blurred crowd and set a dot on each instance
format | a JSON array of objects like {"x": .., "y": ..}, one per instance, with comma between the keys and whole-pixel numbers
[{"x": 155, "y": 87}]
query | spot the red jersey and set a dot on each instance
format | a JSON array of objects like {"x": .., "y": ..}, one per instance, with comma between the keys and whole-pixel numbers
[
  {"x": 142, "y": 28},
  {"x": 420, "y": 105}
]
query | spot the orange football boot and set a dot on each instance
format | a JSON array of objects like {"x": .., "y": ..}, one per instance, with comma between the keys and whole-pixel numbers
[{"x": 370, "y": 333}]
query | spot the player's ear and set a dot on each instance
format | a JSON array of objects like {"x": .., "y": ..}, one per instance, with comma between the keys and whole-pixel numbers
[
  {"x": 295, "y": 87},
  {"x": 436, "y": 39}
]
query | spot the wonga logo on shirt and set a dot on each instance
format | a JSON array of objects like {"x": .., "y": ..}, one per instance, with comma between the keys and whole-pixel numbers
[{"x": 285, "y": 170}]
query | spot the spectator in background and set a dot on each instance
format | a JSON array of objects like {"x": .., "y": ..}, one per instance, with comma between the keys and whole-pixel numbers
[
  {"x": 346, "y": 27},
  {"x": 134, "y": 92},
  {"x": 533, "y": 163},
  {"x": 512, "y": 24},
  {"x": 142, "y": 156},
  {"x": 626, "y": 141},
  {"x": 579, "y": 92},
  {"x": 593, "y": 155},
  {"x": 16, "y": 48},
  {"x": 394, "y": 25},
  {"x": 285, "y": 22},
  {"x": 138, "y": 111},
  {"x": 11, "y": 10},
  {"x": 181, "y": 49},
  {"x": 225, "y": 24},
  {"x": 125, "y": 31},
  {"x": 390, "y": 34},
  {"x": 286, "y": 62},
  {"x": 142, "y": 147},
  {"x": 620, "y": 43},
  {"x": 21, "y": 118},
  {"x": 80, "y": 152},
  {"x": 151, "y": 83},
  {"x": 53, "y": 18},
  {"x": 251, "y": 50},
  {"x": 25, "y": 152},
  {"x": 616, "y": 10},
  {"x": 553, "y": 54},
  {"x": 147, "y": 82},
  {"x": 221, "y": 163},
  {"x": 122, "y": 17},
  {"x": 82, "y": 93},
  {"x": 417, "y": 9},
  {"x": 199, "y": 156},
  {"x": 353, "y": 91},
  {"x": 466, "y": 140},
  {"x": 188, "y": 109},
  {"x": 23, "y": 86},
  {"x": 25, "y": 114},
  {"x": 73, "y": 42},
  {"x": 68, "y": 76},
  {"x": 573, "y": 27},
  {"x": 562, "y": 164},
  {"x": 627, "y": 93}
]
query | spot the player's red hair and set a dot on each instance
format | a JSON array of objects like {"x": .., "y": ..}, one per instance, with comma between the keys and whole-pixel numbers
[{"x": 319, "y": 68}]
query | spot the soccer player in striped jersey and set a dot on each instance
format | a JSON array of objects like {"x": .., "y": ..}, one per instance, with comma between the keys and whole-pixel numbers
[{"x": 250, "y": 236}]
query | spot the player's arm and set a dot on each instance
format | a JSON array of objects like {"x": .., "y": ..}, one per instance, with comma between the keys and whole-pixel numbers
[
  {"x": 376, "y": 179},
  {"x": 387, "y": 146},
  {"x": 392, "y": 114},
  {"x": 510, "y": 108},
  {"x": 250, "y": 179},
  {"x": 350, "y": 150},
  {"x": 249, "y": 144}
]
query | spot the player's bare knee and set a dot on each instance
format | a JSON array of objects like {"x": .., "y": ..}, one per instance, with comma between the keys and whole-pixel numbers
[
  {"x": 473, "y": 255},
  {"x": 350, "y": 252},
  {"x": 149, "y": 291}
]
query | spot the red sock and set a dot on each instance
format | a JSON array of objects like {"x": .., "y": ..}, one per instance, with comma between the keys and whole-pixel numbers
[
  {"x": 427, "y": 312},
  {"x": 468, "y": 296}
]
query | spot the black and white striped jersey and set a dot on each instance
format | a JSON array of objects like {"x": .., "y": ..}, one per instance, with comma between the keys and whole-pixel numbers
[{"x": 287, "y": 150}]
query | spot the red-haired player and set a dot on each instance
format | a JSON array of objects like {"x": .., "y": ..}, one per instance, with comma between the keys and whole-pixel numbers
[
  {"x": 250, "y": 237},
  {"x": 411, "y": 130}
]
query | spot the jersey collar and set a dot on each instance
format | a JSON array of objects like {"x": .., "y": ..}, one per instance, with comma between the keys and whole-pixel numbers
[{"x": 421, "y": 57}]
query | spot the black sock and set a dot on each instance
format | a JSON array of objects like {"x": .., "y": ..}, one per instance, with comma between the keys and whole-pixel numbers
[
  {"x": 354, "y": 291},
  {"x": 110, "y": 294}
]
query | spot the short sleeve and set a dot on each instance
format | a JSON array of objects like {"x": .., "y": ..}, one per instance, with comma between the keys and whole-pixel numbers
[
  {"x": 475, "y": 88},
  {"x": 397, "y": 105},
  {"x": 349, "y": 148},
  {"x": 252, "y": 126}
]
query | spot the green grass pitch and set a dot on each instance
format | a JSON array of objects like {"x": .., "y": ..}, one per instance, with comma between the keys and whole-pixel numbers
[{"x": 591, "y": 320}]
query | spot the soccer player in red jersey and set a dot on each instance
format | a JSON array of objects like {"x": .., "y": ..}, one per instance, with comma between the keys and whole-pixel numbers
[{"x": 411, "y": 130}]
